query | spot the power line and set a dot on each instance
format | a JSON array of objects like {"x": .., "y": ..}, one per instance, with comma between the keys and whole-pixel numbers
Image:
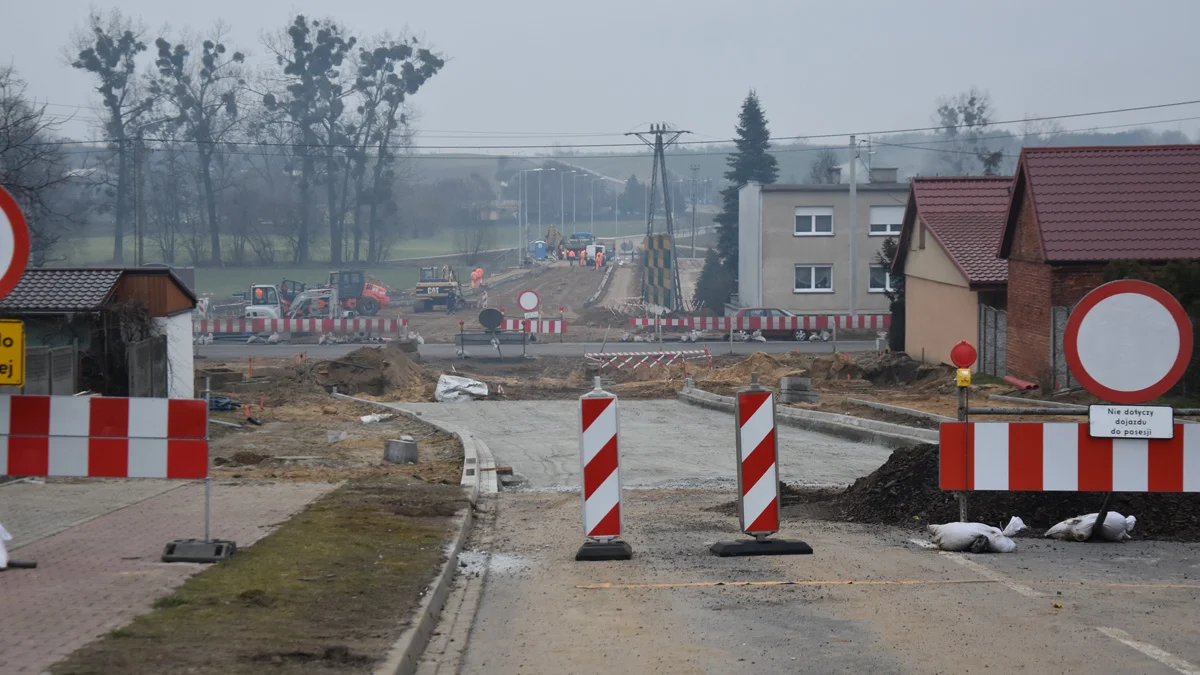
[{"x": 569, "y": 146}]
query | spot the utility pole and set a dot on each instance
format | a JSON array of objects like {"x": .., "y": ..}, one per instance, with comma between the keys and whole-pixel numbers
[
  {"x": 695, "y": 168},
  {"x": 853, "y": 228},
  {"x": 660, "y": 144}
]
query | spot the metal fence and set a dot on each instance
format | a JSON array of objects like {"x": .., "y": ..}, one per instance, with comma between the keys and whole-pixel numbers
[
  {"x": 147, "y": 364},
  {"x": 993, "y": 341},
  {"x": 1059, "y": 371},
  {"x": 49, "y": 371}
]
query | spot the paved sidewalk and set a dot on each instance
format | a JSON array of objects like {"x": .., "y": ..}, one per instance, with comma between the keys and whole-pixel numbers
[
  {"x": 97, "y": 576},
  {"x": 31, "y": 510}
]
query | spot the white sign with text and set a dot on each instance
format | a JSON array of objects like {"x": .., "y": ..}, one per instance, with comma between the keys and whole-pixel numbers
[{"x": 1131, "y": 421}]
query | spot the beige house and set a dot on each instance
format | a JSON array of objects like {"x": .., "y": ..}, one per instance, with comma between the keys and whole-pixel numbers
[
  {"x": 948, "y": 254},
  {"x": 800, "y": 249}
]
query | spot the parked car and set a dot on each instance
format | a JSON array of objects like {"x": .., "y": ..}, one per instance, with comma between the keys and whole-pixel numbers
[{"x": 773, "y": 334}]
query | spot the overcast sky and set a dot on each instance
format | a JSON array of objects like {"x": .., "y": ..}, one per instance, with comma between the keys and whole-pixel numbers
[{"x": 551, "y": 67}]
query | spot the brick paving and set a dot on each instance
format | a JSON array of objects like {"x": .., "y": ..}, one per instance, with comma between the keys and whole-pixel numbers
[
  {"x": 96, "y": 576},
  {"x": 31, "y": 510}
]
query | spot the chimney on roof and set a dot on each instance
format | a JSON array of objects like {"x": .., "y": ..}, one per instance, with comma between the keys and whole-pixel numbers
[
  {"x": 884, "y": 175},
  {"x": 836, "y": 172}
]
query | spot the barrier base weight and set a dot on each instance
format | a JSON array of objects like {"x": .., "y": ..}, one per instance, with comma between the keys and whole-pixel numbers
[
  {"x": 727, "y": 549},
  {"x": 605, "y": 550},
  {"x": 20, "y": 565},
  {"x": 198, "y": 550}
]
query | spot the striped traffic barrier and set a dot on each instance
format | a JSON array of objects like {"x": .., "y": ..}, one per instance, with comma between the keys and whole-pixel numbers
[
  {"x": 1065, "y": 457},
  {"x": 535, "y": 325},
  {"x": 600, "y": 458},
  {"x": 758, "y": 477},
  {"x": 113, "y": 437},
  {"x": 339, "y": 326},
  {"x": 807, "y": 322}
]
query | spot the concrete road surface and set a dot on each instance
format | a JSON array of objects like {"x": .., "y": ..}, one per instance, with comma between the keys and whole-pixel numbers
[
  {"x": 218, "y": 352},
  {"x": 663, "y": 444},
  {"x": 867, "y": 601}
]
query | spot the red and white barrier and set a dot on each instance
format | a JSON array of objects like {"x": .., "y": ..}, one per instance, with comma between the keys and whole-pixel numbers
[
  {"x": 358, "y": 325},
  {"x": 758, "y": 480},
  {"x": 633, "y": 360},
  {"x": 536, "y": 325},
  {"x": 1062, "y": 456},
  {"x": 600, "y": 458},
  {"x": 102, "y": 437},
  {"x": 814, "y": 322}
]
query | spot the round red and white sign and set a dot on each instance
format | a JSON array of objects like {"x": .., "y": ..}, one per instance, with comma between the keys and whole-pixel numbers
[
  {"x": 529, "y": 301},
  {"x": 1128, "y": 341},
  {"x": 14, "y": 243}
]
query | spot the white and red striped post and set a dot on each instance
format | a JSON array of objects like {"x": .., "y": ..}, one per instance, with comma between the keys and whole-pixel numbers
[
  {"x": 600, "y": 459},
  {"x": 758, "y": 477}
]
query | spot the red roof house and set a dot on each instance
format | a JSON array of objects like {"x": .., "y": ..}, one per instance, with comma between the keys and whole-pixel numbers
[
  {"x": 947, "y": 254},
  {"x": 1073, "y": 210}
]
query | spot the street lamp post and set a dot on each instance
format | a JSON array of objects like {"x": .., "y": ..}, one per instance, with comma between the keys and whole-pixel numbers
[
  {"x": 574, "y": 204},
  {"x": 523, "y": 222},
  {"x": 562, "y": 202},
  {"x": 593, "y": 200}
]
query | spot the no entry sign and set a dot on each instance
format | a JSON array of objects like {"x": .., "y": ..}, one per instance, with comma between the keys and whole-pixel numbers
[
  {"x": 14, "y": 243},
  {"x": 529, "y": 301},
  {"x": 1128, "y": 341}
]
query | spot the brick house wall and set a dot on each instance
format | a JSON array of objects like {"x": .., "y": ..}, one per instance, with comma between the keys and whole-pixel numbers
[
  {"x": 1071, "y": 282},
  {"x": 1029, "y": 299}
]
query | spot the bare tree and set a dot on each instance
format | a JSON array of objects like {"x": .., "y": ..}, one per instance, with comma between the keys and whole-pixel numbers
[
  {"x": 308, "y": 97},
  {"x": 821, "y": 171},
  {"x": 964, "y": 119},
  {"x": 34, "y": 168},
  {"x": 108, "y": 48},
  {"x": 202, "y": 92}
]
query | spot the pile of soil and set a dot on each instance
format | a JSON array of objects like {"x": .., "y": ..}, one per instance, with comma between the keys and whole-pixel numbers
[
  {"x": 904, "y": 491},
  {"x": 374, "y": 371}
]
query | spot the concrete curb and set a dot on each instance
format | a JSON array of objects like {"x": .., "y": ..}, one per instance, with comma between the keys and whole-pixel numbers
[
  {"x": 901, "y": 410},
  {"x": 603, "y": 286},
  {"x": 844, "y": 426},
  {"x": 478, "y": 477}
]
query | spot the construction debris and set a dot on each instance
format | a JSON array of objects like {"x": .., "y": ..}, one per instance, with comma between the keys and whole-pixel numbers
[
  {"x": 1115, "y": 528},
  {"x": 451, "y": 388},
  {"x": 976, "y": 537}
]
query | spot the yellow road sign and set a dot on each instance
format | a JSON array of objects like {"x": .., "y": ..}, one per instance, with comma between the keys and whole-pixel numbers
[{"x": 12, "y": 353}]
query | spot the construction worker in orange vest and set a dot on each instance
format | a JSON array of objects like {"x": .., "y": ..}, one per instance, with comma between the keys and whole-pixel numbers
[
  {"x": 599, "y": 260},
  {"x": 571, "y": 258}
]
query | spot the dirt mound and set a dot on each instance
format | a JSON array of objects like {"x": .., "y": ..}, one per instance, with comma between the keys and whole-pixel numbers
[
  {"x": 372, "y": 370},
  {"x": 904, "y": 491}
]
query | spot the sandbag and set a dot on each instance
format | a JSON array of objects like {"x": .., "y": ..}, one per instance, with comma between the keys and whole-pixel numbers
[
  {"x": 976, "y": 537},
  {"x": 1115, "y": 528}
]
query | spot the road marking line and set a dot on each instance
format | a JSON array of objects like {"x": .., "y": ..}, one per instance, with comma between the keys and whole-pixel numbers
[
  {"x": 1166, "y": 658},
  {"x": 850, "y": 582},
  {"x": 980, "y": 569}
]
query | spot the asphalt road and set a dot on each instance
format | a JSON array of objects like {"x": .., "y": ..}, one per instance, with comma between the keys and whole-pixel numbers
[{"x": 231, "y": 351}]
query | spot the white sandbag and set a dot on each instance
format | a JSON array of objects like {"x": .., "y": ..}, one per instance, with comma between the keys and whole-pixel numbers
[
  {"x": 4, "y": 536},
  {"x": 454, "y": 389},
  {"x": 976, "y": 537},
  {"x": 1115, "y": 528}
]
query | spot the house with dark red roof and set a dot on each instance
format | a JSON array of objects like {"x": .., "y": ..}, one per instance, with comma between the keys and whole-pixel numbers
[
  {"x": 1071, "y": 212},
  {"x": 947, "y": 254}
]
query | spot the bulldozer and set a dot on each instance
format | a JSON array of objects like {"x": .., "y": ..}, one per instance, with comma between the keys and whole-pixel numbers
[{"x": 433, "y": 288}]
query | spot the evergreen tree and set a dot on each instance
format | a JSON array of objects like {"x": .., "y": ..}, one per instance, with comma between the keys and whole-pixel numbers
[
  {"x": 713, "y": 286},
  {"x": 751, "y": 163}
]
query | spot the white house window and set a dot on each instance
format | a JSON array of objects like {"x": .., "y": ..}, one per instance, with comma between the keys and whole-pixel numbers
[
  {"x": 886, "y": 220},
  {"x": 814, "y": 279},
  {"x": 881, "y": 279},
  {"x": 814, "y": 221}
]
